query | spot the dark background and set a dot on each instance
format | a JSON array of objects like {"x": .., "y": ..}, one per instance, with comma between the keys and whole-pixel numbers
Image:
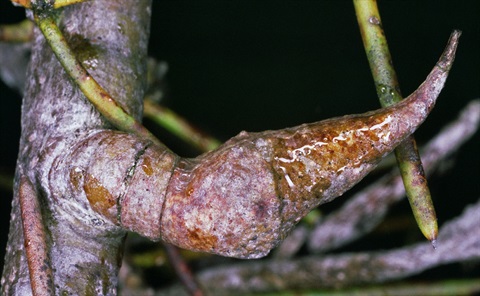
[{"x": 256, "y": 65}]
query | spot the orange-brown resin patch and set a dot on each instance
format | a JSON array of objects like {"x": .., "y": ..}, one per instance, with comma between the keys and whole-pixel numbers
[
  {"x": 147, "y": 166},
  {"x": 100, "y": 199},
  {"x": 202, "y": 240}
]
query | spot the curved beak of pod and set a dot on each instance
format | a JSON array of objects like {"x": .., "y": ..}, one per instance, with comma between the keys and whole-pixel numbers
[{"x": 242, "y": 199}]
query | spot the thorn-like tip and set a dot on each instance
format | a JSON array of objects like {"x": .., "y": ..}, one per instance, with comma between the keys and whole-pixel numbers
[{"x": 448, "y": 55}]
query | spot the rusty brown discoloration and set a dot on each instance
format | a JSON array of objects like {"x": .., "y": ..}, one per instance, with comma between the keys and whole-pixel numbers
[
  {"x": 147, "y": 166},
  {"x": 199, "y": 238},
  {"x": 100, "y": 199}
]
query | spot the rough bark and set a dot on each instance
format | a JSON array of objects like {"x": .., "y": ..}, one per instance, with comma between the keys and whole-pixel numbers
[{"x": 111, "y": 40}]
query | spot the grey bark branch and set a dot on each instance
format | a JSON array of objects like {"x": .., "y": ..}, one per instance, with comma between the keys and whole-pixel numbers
[{"x": 111, "y": 40}]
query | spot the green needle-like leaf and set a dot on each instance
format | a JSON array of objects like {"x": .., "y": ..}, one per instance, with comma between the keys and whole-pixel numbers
[{"x": 388, "y": 91}]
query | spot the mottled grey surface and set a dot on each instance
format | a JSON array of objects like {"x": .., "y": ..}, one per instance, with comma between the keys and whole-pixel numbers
[{"x": 56, "y": 116}]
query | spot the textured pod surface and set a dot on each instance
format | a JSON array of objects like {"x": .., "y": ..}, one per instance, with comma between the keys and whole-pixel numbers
[
  {"x": 223, "y": 203},
  {"x": 142, "y": 204},
  {"x": 242, "y": 199}
]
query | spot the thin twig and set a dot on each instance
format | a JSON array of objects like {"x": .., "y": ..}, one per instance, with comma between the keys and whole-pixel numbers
[
  {"x": 183, "y": 271},
  {"x": 388, "y": 91},
  {"x": 40, "y": 270},
  {"x": 179, "y": 127}
]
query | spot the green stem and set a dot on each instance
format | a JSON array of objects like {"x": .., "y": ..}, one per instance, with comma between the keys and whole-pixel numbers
[
  {"x": 62, "y": 3},
  {"x": 179, "y": 126},
  {"x": 56, "y": 3},
  {"x": 388, "y": 91},
  {"x": 99, "y": 97}
]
